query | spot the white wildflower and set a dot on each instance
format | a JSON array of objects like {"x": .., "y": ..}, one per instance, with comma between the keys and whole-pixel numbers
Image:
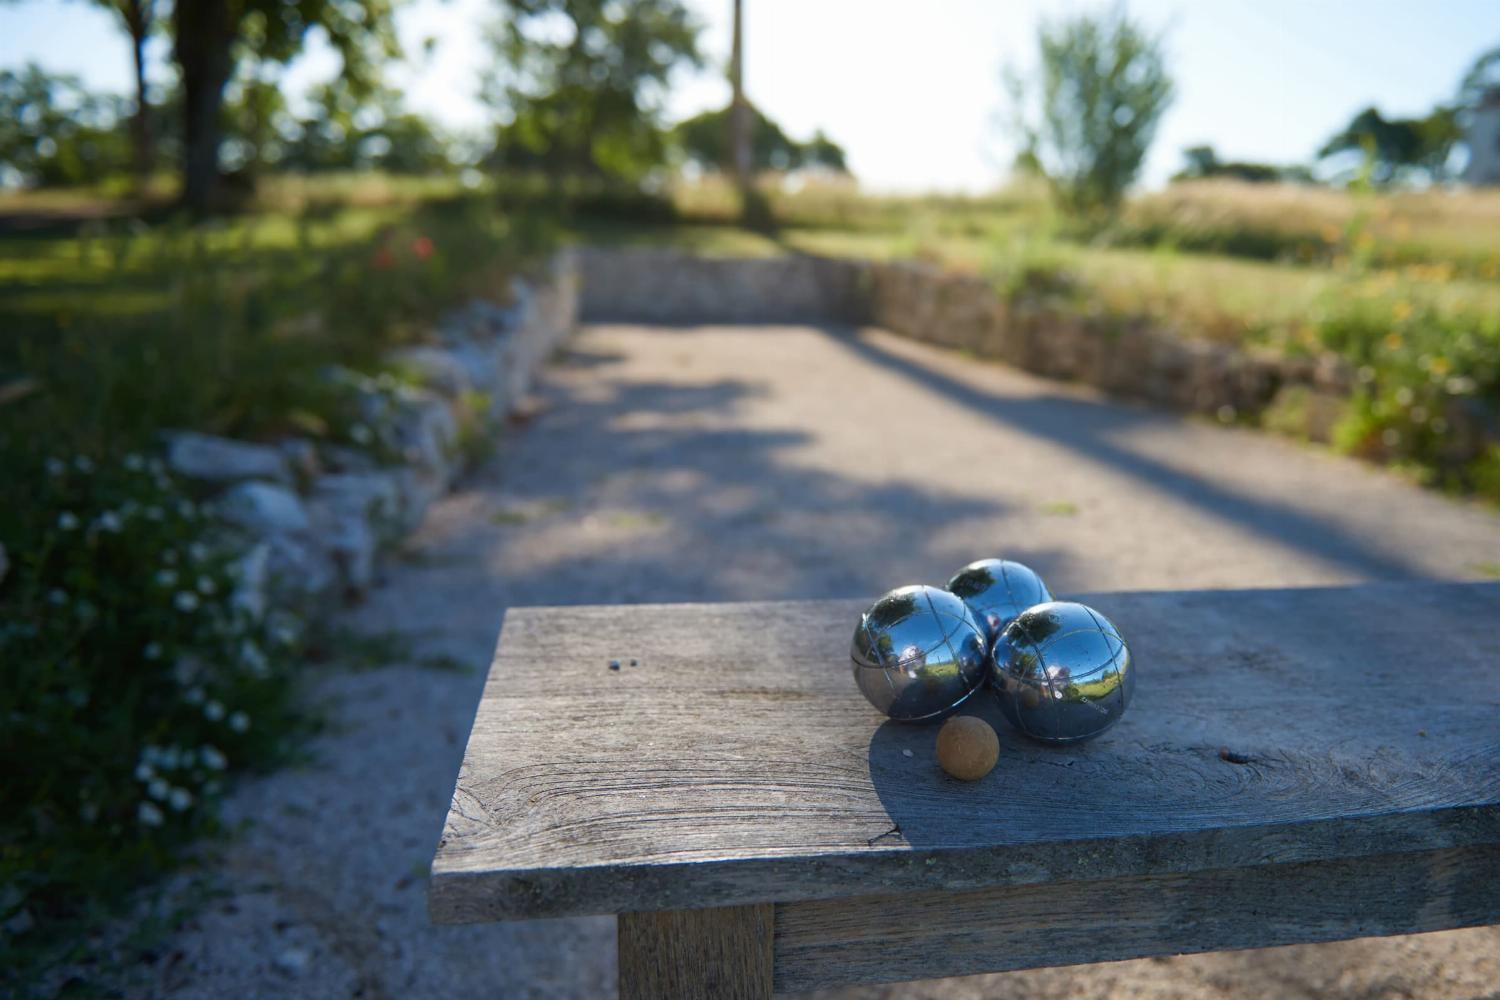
[
  {"x": 180, "y": 799},
  {"x": 185, "y": 601},
  {"x": 56, "y": 467},
  {"x": 109, "y": 521},
  {"x": 58, "y": 597},
  {"x": 134, "y": 462},
  {"x": 360, "y": 434},
  {"x": 149, "y": 815},
  {"x": 213, "y": 758},
  {"x": 206, "y": 585},
  {"x": 194, "y": 696},
  {"x": 152, "y": 651},
  {"x": 150, "y": 754},
  {"x": 185, "y": 671},
  {"x": 67, "y": 521},
  {"x": 144, "y": 772},
  {"x": 158, "y": 789},
  {"x": 253, "y": 659},
  {"x": 213, "y": 711},
  {"x": 166, "y": 578},
  {"x": 239, "y": 722},
  {"x": 83, "y": 463},
  {"x": 198, "y": 552},
  {"x": 171, "y": 758}
]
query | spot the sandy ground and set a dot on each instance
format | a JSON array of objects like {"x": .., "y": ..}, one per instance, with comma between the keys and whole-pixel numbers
[{"x": 783, "y": 462}]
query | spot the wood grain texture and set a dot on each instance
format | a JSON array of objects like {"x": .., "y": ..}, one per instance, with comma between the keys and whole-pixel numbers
[
  {"x": 737, "y": 763},
  {"x": 722, "y": 953},
  {"x": 925, "y": 935}
]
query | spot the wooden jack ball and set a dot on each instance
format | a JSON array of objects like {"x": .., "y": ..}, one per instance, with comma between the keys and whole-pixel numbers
[{"x": 967, "y": 747}]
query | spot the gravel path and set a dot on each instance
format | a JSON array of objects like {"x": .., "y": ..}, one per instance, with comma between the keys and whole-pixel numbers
[{"x": 782, "y": 462}]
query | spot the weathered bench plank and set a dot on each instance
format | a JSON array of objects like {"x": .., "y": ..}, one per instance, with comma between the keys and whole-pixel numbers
[
  {"x": 735, "y": 763},
  {"x": 926, "y": 935}
]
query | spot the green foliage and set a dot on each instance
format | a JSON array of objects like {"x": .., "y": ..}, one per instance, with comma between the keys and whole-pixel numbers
[
  {"x": 1202, "y": 162},
  {"x": 1103, "y": 87},
  {"x": 582, "y": 84},
  {"x": 704, "y": 139},
  {"x": 55, "y": 132},
  {"x": 135, "y": 680},
  {"x": 210, "y": 37},
  {"x": 1393, "y": 148},
  {"x": 1429, "y": 381},
  {"x": 1480, "y": 81}
]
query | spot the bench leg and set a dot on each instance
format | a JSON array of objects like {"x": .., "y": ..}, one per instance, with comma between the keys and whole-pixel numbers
[{"x": 715, "y": 954}]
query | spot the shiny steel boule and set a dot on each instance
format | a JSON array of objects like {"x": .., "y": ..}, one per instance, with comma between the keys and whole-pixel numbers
[
  {"x": 918, "y": 654},
  {"x": 1061, "y": 672},
  {"x": 997, "y": 590}
]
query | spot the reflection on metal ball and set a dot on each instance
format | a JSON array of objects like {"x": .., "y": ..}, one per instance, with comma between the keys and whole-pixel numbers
[
  {"x": 918, "y": 654},
  {"x": 997, "y": 590},
  {"x": 1061, "y": 672}
]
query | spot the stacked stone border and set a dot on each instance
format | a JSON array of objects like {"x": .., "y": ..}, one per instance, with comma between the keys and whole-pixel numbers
[{"x": 314, "y": 520}]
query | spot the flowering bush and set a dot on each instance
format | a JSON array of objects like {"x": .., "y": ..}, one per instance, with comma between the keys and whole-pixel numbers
[
  {"x": 1429, "y": 384},
  {"x": 139, "y": 671}
]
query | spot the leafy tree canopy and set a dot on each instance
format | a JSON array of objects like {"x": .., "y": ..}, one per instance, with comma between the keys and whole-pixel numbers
[
  {"x": 1088, "y": 122},
  {"x": 1393, "y": 147},
  {"x": 704, "y": 139},
  {"x": 1203, "y": 161},
  {"x": 582, "y": 83},
  {"x": 53, "y": 131}
]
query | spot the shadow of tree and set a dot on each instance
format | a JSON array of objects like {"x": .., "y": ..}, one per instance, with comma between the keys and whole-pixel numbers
[{"x": 1086, "y": 427}]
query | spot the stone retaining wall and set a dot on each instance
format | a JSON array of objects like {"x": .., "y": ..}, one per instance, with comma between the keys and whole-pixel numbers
[
  {"x": 670, "y": 287},
  {"x": 314, "y": 519},
  {"x": 1127, "y": 357}
]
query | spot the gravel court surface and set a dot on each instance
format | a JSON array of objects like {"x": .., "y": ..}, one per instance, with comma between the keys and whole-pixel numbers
[{"x": 738, "y": 463}]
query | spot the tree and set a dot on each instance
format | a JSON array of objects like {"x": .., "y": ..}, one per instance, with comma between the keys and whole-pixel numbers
[
  {"x": 1103, "y": 88},
  {"x": 704, "y": 140},
  {"x": 1393, "y": 147},
  {"x": 139, "y": 19},
  {"x": 581, "y": 84},
  {"x": 54, "y": 132},
  {"x": 211, "y": 36},
  {"x": 1203, "y": 161},
  {"x": 1481, "y": 80}
]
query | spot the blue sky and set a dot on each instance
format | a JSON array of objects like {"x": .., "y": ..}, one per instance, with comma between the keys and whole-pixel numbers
[{"x": 912, "y": 90}]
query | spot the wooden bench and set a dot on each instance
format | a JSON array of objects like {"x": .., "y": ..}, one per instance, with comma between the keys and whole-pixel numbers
[{"x": 1298, "y": 766}]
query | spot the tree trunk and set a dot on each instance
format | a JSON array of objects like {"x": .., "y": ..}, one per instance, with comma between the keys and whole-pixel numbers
[
  {"x": 205, "y": 32},
  {"x": 138, "y": 14},
  {"x": 739, "y": 110}
]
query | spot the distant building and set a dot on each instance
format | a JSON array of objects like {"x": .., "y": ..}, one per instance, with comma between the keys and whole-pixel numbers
[{"x": 1483, "y": 139}]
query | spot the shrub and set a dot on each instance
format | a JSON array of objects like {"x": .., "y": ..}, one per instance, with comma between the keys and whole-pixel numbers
[
  {"x": 136, "y": 677},
  {"x": 1429, "y": 383}
]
